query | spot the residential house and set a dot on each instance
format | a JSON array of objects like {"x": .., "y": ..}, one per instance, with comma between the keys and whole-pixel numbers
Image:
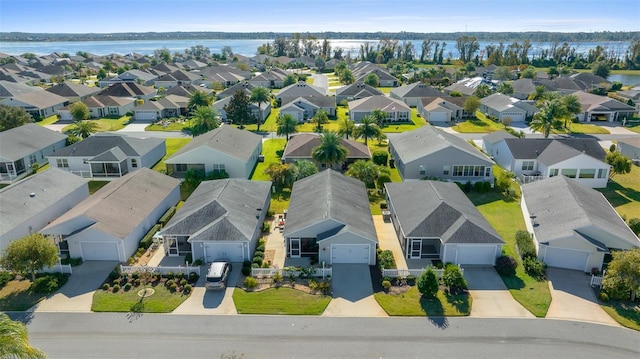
[
  {"x": 24, "y": 146},
  {"x": 442, "y": 108},
  {"x": 109, "y": 224},
  {"x": 396, "y": 110},
  {"x": 177, "y": 78},
  {"x": 129, "y": 89},
  {"x": 412, "y": 94},
  {"x": 72, "y": 91},
  {"x": 10, "y": 89},
  {"x": 222, "y": 219},
  {"x": 168, "y": 106},
  {"x": 356, "y": 91},
  {"x": 602, "y": 108},
  {"x": 630, "y": 147},
  {"x": 522, "y": 88},
  {"x": 144, "y": 78},
  {"x": 299, "y": 89},
  {"x": 300, "y": 146},
  {"x": 581, "y": 159},
  {"x": 363, "y": 69},
  {"x": 429, "y": 152},
  {"x": 630, "y": 97},
  {"x": 107, "y": 156},
  {"x": 273, "y": 78},
  {"x": 329, "y": 217},
  {"x": 502, "y": 106},
  {"x": 225, "y": 149},
  {"x": 30, "y": 204},
  {"x": 436, "y": 220},
  {"x": 263, "y": 111},
  {"x": 39, "y": 104},
  {"x": 467, "y": 86},
  {"x": 102, "y": 106},
  {"x": 245, "y": 86},
  {"x": 573, "y": 226}
]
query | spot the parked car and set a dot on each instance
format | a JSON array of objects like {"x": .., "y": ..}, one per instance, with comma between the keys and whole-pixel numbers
[{"x": 218, "y": 274}]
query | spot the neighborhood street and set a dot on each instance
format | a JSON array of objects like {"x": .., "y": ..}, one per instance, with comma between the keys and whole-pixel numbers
[{"x": 131, "y": 335}]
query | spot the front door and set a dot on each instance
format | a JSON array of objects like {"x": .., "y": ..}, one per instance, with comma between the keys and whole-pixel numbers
[
  {"x": 294, "y": 251},
  {"x": 173, "y": 247},
  {"x": 416, "y": 249}
]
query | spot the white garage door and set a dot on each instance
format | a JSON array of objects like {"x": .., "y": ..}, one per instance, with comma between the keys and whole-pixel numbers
[
  {"x": 145, "y": 115},
  {"x": 438, "y": 116},
  {"x": 515, "y": 117},
  {"x": 478, "y": 255},
  {"x": 566, "y": 258},
  {"x": 350, "y": 253},
  {"x": 231, "y": 251},
  {"x": 99, "y": 251}
]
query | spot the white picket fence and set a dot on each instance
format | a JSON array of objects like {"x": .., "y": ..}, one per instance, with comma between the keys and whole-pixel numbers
[
  {"x": 160, "y": 269},
  {"x": 596, "y": 280},
  {"x": 269, "y": 272},
  {"x": 57, "y": 268},
  {"x": 404, "y": 273}
]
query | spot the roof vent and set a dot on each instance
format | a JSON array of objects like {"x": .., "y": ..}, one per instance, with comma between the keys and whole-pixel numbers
[{"x": 32, "y": 194}]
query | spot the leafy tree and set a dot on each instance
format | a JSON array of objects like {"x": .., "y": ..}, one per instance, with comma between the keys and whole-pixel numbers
[
  {"x": 346, "y": 128},
  {"x": 550, "y": 117},
  {"x": 482, "y": 91},
  {"x": 620, "y": 164},
  {"x": 83, "y": 129},
  {"x": 372, "y": 80},
  {"x": 471, "y": 105},
  {"x": 11, "y": 117},
  {"x": 280, "y": 174},
  {"x": 624, "y": 268},
  {"x": 529, "y": 73},
  {"x": 31, "y": 254},
  {"x": 601, "y": 68},
  {"x": 319, "y": 119},
  {"x": 193, "y": 177},
  {"x": 346, "y": 77},
  {"x": 502, "y": 73},
  {"x": 467, "y": 46},
  {"x": 365, "y": 171},
  {"x": 380, "y": 157},
  {"x": 260, "y": 94},
  {"x": 379, "y": 116},
  {"x": 286, "y": 125},
  {"x": 238, "y": 108},
  {"x": 290, "y": 80},
  {"x": 367, "y": 129},
  {"x": 452, "y": 278},
  {"x": 505, "y": 88},
  {"x": 14, "y": 340},
  {"x": 79, "y": 111},
  {"x": 428, "y": 283},
  {"x": 199, "y": 98},
  {"x": 330, "y": 151},
  {"x": 205, "y": 119}
]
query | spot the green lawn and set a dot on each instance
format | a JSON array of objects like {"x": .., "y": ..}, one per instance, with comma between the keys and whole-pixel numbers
[
  {"x": 417, "y": 122},
  {"x": 623, "y": 314},
  {"x": 269, "y": 124},
  {"x": 385, "y": 90},
  {"x": 634, "y": 128},
  {"x": 107, "y": 124},
  {"x": 162, "y": 301},
  {"x": 172, "y": 145},
  {"x": 505, "y": 216},
  {"x": 48, "y": 121},
  {"x": 623, "y": 192},
  {"x": 94, "y": 186},
  {"x": 583, "y": 128},
  {"x": 480, "y": 124},
  {"x": 270, "y": 150},
  {"x": 410, "y": 303},
  {"x": 172, "y": 126},
  {"x": 283, "y": 301},
  {"x": 17, "y": 296}
]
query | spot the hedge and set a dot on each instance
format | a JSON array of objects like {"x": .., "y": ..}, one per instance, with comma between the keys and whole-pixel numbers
[
  {"x": 147, "y": 240},
  {"x": 167, "y": 216},
  {"x": 524, "y": 242}
]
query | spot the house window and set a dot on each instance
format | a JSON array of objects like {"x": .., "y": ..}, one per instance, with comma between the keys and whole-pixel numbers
[
  {"x": 445, "y": 170},
  {"x": 218, "y": 167},
  {"x": 587, "y": 173},
  {"x": 181, "y": 167},
  {"x": 469, "y": 171},
  {"x": 602, "y": 173},
  {"x": 553, "y": 172},
  {"x": 33, "y": 159},
  {"x": 487, "y": 171},
  {"x": 134, "y": 163},
  {"x": 569, "y": 172},
  {"x": 62, "y": 163},
  {"x": 422, "y": 171},
  {"x": 527, "y": 165}
]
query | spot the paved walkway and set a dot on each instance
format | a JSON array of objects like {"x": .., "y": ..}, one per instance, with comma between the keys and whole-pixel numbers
[
  {"x": 388, "y": 240},
  {"x": 573, "y": 298},
  {"x": 491, "y": 299},
  {"x": 275, "y": 243},
  {"x": 352, "y": 293}
]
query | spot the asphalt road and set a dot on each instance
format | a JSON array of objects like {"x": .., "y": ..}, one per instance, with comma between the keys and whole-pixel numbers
[{"x": 120, "y": 335}]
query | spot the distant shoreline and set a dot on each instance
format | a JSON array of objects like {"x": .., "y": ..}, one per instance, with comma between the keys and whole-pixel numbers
[{"x": 408, "y": 36}]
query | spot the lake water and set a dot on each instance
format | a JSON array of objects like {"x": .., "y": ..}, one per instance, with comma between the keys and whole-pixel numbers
[{"x": 625, "y": 79}]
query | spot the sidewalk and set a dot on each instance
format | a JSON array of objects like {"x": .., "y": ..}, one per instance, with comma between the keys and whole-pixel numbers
[{"x": 388, "y": 240}]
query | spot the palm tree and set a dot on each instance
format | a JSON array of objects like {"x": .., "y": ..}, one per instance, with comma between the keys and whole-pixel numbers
[
  {"x": 367, "y": 129},
  {"x": 199, "y": 98},
  {"x": 14, "y": 340},
  {"x": 379, "y": 116},
  {"x": 330, "y": 151},
  {"x": 573, "y": 107},
  {"x": 205, "y": 119},
  {"x": 549, "y": 117},
  {"x": 83, "y": 129},
  {"x": 303, "y": 168},
  {"x": 346, "y": 128},
  {"x": 286, "y": 125},
  {"x": 260, "y": 94},
  {"x": 365, "y": 171},
  {"x": 319, "y": 119},
  {"x": 539, "y": 94}
]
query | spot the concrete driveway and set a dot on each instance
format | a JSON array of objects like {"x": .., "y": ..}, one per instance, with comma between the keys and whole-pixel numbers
[
  {"x": 491, "y": 299},
  {"x": 204, "y": 301},
  {"x": 352, "y": 293},
  {"x": 77, "y": 294},
  {"x": 572, "y": 298}
]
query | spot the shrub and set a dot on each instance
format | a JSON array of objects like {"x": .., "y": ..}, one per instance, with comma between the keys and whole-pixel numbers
[
  {"x": 258, "y": 260},
  {"x": 188, "y": 258},
  {"x": 265, "y": 264},
  {"x": 324, "y": 287},
  {"x": 603, "y": 296},
  {"x": 380, "y": 157},
  {"x": 167, "y": 216},
  {"x": 506, "y": 265},
  {"x": 478, "y": 187},
  {"x": 634, "y": 224},
  {"x": 313, "y": 284},
  {"x": 127, "y": 287},
  {"x": 525, "y": 245},
  {"x": 534, "y": 267},
  {"x": 246, "y": 271},
  {"x": 277, "y": 278},
  {"x": 187, "y": 289},
  {"x": 193, "y": 277},
  {"x": 615, "y": 288},
  {"x": 467, "y": 187},
  {"x": 183, "y": 282},
  {"x": 612, "y": 148},
  {"x": 259, "y": 254},
  {"x": 5, "y": 277},
  {"x": 428, "y": 283},
  {"x": 105, "y": 286},
  {"x": 169, "y": 283},
  {"x": 384, "y": 205},
  {"x": 255, "y": 265},
  {"x": 178, "y": 275},
  {"x": 266, "y": 227},
  {"x": 250, "y": 283},
  {"x": 386, "y": 260},
  {"x": 246, "y": 264},
  {"x": 169, "y": 275},
  {"x": 173, "y": 288},
  {"x": 197, "y": 262},
  {"x": 114, "y": 275},
  {"x": 386, "y": 284},
  {"x": 115, "y": 288},
  {"x": 147, "y": 240},
  {"x": 487, "y": 186},
  {"x": 452, "y": 278},
  {"x": 411, "y": 279}
]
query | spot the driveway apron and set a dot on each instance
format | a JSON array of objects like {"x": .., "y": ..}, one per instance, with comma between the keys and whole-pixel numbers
[
  {"x": 352, "y": 293},
  {"x": 491, "y": 298},
  {"x": 77, "y": 294},
  {"x": 203, "y": 301},
  {"x": 573, "y": 299}
]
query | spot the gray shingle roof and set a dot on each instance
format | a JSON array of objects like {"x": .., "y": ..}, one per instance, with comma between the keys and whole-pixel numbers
[
  {"x": 300, "y": 89},
  {"x": 439, "y": 209},
  {"x": 22, "y": 141},
  {"x": 301, "y": 145},
  {"x": 50, "y": 187},
  {"x": 563, "y": 206},
  {"x": 70, "y": 89},
  {"x": 500, "y": 102},
  {"x": 534, "y": 148},
  {"x": 330, "y": 195},
  {"x": 497, "y": 136},
  {"x": 101, "y": 143},
  {"x": 383, "y": 103},
  {"x": 221, "y": 210},
  {"x": 236, "y": 143},
  {"x": 356, "y": 88},
  {"x": 417, "y": 89}
]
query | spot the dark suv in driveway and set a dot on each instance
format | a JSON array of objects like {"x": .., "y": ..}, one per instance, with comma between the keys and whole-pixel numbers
[{"x": 218, "y": 274}]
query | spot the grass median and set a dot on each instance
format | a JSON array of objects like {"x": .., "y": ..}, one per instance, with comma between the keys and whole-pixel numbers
[{"x": 281, "y": 301}]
